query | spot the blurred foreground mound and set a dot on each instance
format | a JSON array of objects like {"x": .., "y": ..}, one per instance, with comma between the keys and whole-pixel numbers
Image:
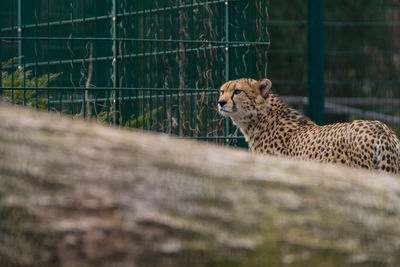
[{"x": 80, "y": 194}]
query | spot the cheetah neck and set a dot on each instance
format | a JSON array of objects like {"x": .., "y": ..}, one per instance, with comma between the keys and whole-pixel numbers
[{"x": 272, "y": 119}]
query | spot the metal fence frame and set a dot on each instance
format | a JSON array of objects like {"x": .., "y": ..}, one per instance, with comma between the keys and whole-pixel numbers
[
  {"x": 314, "y": 102},
  {"x": 202, "y": 45}
]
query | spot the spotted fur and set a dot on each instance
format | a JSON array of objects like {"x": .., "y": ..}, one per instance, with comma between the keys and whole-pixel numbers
[{"x": 271, "y": 127}]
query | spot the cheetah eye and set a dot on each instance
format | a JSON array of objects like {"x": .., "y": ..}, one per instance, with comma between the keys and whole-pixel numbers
[
  {"x": 237, "y": 91},
  {"x": 222, "y": 92}
]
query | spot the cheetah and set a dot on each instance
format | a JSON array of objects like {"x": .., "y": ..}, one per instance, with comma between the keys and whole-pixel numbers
[{"x": 272, "y": 127}]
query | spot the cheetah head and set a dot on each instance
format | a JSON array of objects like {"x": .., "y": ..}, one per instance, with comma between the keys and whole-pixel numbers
[{"x": 241, "y": 99}]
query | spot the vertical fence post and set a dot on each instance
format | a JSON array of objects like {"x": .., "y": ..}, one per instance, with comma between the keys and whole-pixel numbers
[
  {"x": 227, "y": 68},
  {"x": 316, "y": 61},
  {"x": 114, "y": 62},
  {"x": 19, "y": 30}
]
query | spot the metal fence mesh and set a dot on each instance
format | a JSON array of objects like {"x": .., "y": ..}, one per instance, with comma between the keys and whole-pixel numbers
[
  {"x": 155, "y": 65},
  {"x": 362, "y": 58}
]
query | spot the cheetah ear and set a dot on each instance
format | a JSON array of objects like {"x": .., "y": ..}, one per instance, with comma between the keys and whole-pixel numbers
[{"x": 265, "y": 87}]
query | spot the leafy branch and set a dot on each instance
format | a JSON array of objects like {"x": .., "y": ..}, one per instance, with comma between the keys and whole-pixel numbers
[{"x": 22, "y": 78}]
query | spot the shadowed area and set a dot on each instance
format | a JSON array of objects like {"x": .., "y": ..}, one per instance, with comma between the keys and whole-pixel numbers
[{"x": 74, "y": 193}]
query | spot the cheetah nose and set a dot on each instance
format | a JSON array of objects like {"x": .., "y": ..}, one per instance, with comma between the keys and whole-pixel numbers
[{"x": 222, "y": 103}]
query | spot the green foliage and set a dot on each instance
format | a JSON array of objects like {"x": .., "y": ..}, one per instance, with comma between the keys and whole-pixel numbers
[
  {"x": 20, "y": 78},
  {"x": 143, "y": 119},
  {"x": 134, "y": 122}
]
